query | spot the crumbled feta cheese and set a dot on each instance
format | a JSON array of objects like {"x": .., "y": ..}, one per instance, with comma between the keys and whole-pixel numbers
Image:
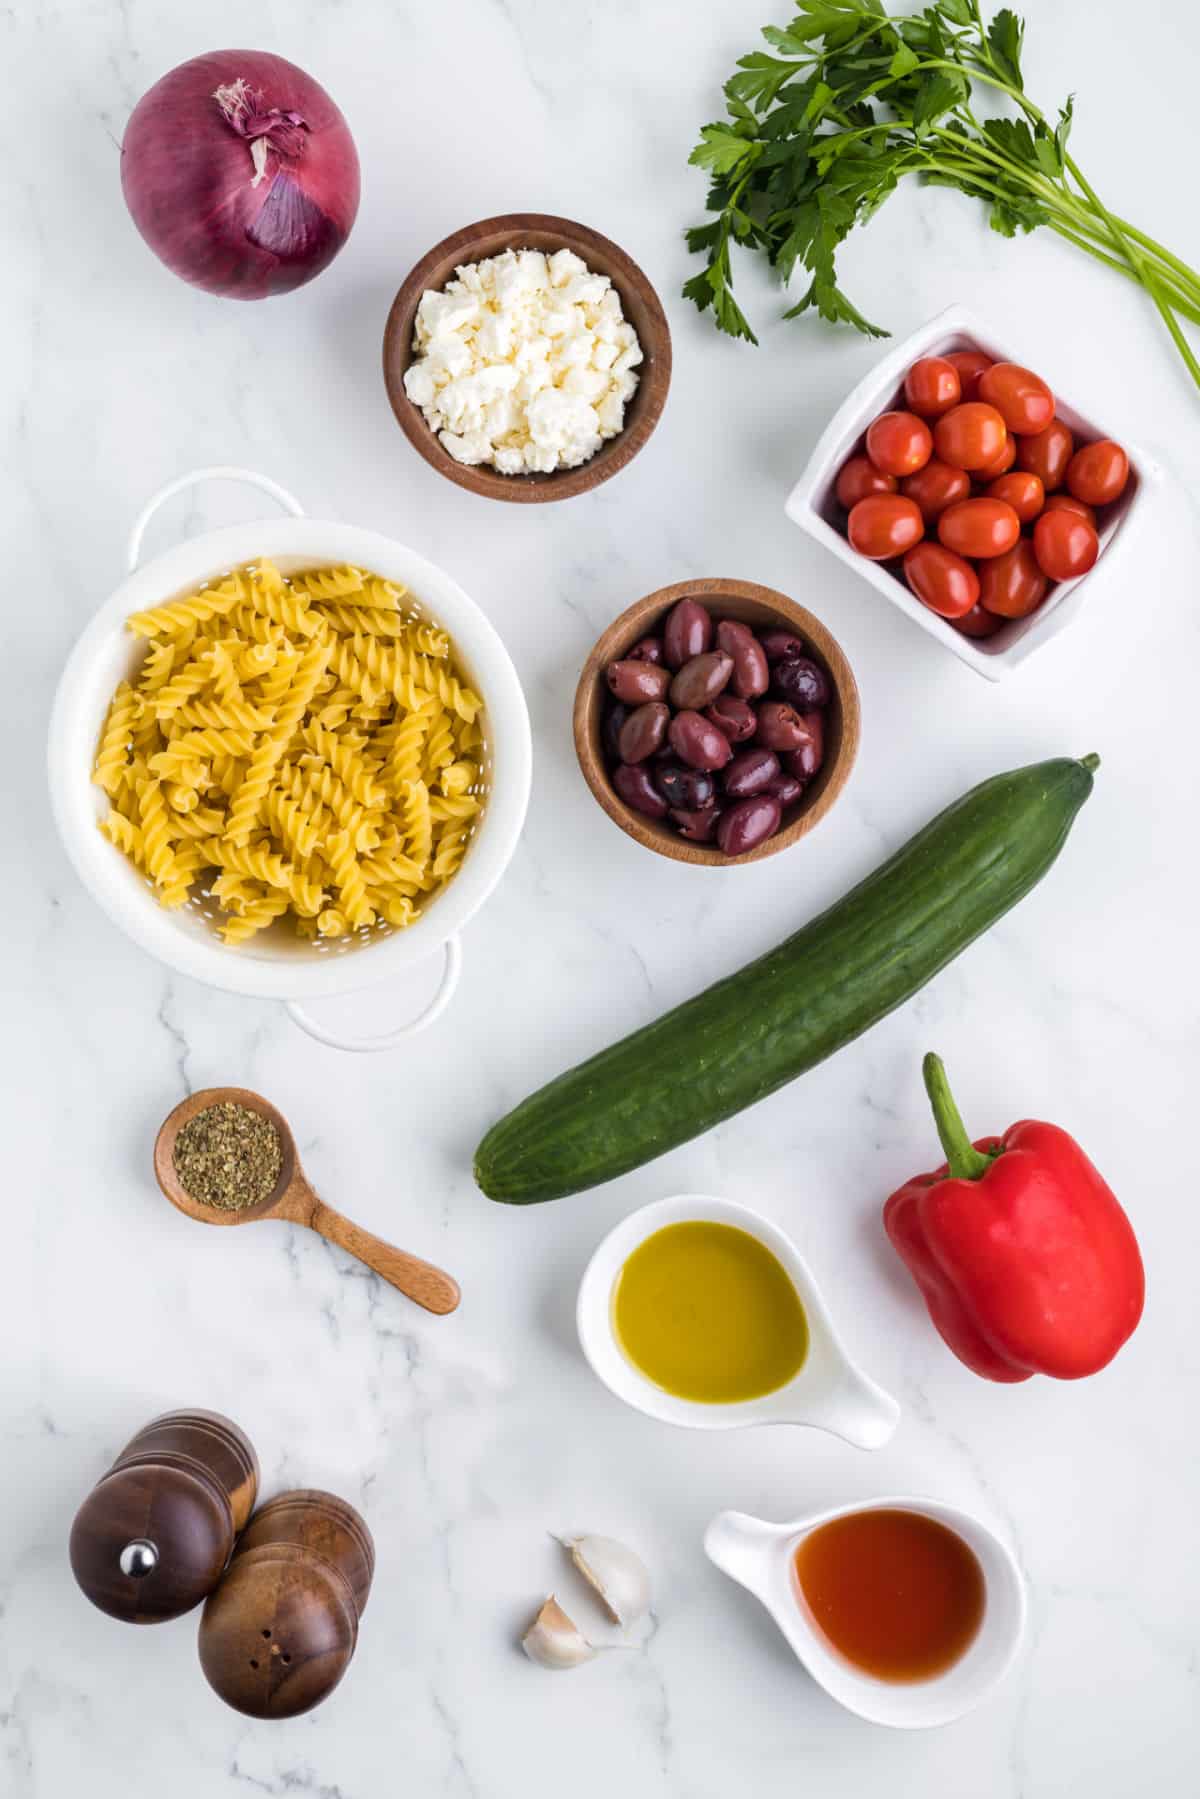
[
  {"x": 564, "y": 266},
  {"x": 523, "y": 361},
  {"x": 440, "y": 314}
]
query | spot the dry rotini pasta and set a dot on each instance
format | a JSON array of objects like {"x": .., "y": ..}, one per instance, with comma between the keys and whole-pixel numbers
[
  {"x": 460, "y": 805},
  {"x": 448, "y": 855},
  {"x": 283, "y": 607},
  {"x": 254, "y": 914},
  {"x": 156, "y": 669},
  {"x": 374, "y": 621},
  {"x": 116, "y": 738},
  {"x": 459, "y": 777},
  {"x": 403, "y": 762},
  {"x": 182, "y": 615},
  {"x": 439, "y": 745},
  {"x": 298, "y": 748},
  {"x": 330, "y": 583},
  {"x": 418, "y": 821}
]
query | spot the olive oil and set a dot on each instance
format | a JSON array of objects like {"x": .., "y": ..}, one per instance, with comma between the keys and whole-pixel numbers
[
  {"x": 707, "y": 1313},
  {"x": 899, "y": 1595}
]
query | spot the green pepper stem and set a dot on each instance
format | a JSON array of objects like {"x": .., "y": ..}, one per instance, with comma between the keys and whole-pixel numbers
[
  {"x": 1091, "y": 763},
  {"x": 965, "y": 1162}
]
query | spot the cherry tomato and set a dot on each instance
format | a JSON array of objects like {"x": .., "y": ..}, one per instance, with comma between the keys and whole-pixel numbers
[
  {"x": 1023, "y": 491},
  {"x": 969, "y": 365},
  {"x": 885, "y": 525},
  {"x": 979, "y": 528},
  {"x": 1065, "y": 502},
  {"x": 858, "y": 478},
  {"x": 935, "y": 487},
  {"x": 1064, "y": 545},
  {"x": 1021, "y": 398},
  {"x": 932, "y": 387},
  {"x": 944, "y": 582},
  {"x": 1000, "y": 464},
  {"x": 1047, "y": 454},
  {"x": 1098, "y": 473},
  {"x": 899, "y": 443},
  {"x": 970, "y": 435},
  {"x": 977, "y": 622},
  {"x": 1012, "y": 585}
]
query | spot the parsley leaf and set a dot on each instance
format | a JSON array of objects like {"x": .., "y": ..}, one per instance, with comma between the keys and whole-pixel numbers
[
  {"x": 720, "y": 149},
  {"x": 1005, "y": 35},
  {"x": 760, "y": 79},
  {"x": 1063, "y": 131}
]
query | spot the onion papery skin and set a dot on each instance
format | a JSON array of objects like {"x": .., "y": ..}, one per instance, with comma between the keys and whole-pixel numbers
[{"x": 188, "y": 177}]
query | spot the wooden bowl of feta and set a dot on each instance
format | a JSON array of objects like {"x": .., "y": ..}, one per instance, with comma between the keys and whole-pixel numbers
[{"x": 527, "y": 358}]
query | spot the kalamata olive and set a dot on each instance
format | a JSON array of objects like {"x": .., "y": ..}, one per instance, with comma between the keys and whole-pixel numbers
[
  {"x": 780, "y": 726},
  {"x": 781, "y": 646},
  {"x": 701, "y": 680},
  {"x": 749, "y": 772},
  {"x": 801, "y": 682},
  {"x": 805, "y": 761},
  {"x": 750, "y": 675},
  {"x": 646, "y": 649},
  {"x": 644, "y": 731},
  {"x": 636, "y": 682},
  {"x": 697, "y": 827},
  {"x": 697, "y": 742},
  {"x": 610, "y": 731},
  {"x": 736, "y": 718},
  {"x": 748, "y": 824},
  {"x": 688, "y": 632},
  {"x": 689, "y": 789},
  {"x": 785, "y": 788},
  {"x": 633, "y": 783}
]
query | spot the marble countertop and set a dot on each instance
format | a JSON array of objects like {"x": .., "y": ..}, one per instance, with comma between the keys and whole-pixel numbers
[{"x": 466, "y": 1441}]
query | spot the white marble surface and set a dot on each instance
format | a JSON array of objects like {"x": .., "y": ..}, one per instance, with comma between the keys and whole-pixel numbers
[{"x": 466, "y": 1441}]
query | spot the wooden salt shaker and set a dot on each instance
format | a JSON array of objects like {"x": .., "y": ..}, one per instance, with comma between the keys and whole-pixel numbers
[
  {"x": 154, "y": 1535},
  {"x": 279, "y": 1631}
]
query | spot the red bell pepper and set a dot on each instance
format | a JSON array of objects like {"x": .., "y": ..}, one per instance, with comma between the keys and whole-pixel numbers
[{"x": 1024, "y": 1258}]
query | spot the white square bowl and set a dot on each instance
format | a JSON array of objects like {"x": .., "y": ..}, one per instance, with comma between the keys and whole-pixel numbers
[{"x": 812, "y": 503}]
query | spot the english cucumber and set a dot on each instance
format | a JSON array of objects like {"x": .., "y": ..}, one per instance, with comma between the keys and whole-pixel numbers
[{"x": 750, "y": 1033}]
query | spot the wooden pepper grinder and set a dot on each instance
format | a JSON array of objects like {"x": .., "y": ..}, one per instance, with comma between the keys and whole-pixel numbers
[
  {"x": 279, "y": 1631},
  {"x": 154, "y": 1535}
]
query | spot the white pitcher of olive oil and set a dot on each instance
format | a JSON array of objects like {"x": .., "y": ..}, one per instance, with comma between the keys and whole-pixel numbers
[{"x": 825, "y": 1389}]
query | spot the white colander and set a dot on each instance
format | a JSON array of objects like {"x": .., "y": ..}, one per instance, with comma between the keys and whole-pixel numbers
[{"x": 276, "y": 964}]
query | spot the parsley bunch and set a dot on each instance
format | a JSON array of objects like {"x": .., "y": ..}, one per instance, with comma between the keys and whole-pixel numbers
[{"x": 853, "y": 100}]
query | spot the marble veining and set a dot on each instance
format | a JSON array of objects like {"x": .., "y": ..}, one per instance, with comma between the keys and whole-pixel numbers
[{"x": 467, "y": 1441}]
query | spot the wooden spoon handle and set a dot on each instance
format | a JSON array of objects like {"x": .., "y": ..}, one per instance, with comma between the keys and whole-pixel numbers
[{"x": 430, "y": 1287}]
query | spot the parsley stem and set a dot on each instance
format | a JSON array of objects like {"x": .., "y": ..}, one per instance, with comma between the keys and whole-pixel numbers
[
  {"x": 1190, "y": 275},
  {"x": 1190, "y": 308},
  {"x": 1137, "y": 261},
  {"x": 1063, "y": 203}
]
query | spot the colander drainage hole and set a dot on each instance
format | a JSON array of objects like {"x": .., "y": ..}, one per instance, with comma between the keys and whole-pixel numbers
[
  {"x": 267, "y": 1635},
  {"x": 253, "y": 1663}
]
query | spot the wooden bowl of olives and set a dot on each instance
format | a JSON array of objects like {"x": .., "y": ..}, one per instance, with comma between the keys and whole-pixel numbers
[{"x": 716, "y": 721}]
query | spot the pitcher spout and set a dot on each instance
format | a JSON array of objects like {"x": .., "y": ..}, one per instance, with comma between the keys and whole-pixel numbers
[
  {"x": 857, "y": 1410},
  {"x": 741, "y": 1546}
]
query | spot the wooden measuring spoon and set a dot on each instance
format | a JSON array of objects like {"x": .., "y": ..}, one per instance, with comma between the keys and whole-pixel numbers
[{"x": 294, "y": 1200}]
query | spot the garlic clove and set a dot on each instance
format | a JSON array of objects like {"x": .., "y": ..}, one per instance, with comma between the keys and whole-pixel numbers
[
  {"x": 618, "y": 1576},
  {"x": 553, "y": 1641}
]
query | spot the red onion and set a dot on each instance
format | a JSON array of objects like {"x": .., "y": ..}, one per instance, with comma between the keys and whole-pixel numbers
[{"x": 240, "y": 173}]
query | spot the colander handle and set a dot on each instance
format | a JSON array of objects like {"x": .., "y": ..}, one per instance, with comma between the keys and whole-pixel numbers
[
  {"x": 198, "y": 475},
  {"x": 389, "y": 1040}
]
